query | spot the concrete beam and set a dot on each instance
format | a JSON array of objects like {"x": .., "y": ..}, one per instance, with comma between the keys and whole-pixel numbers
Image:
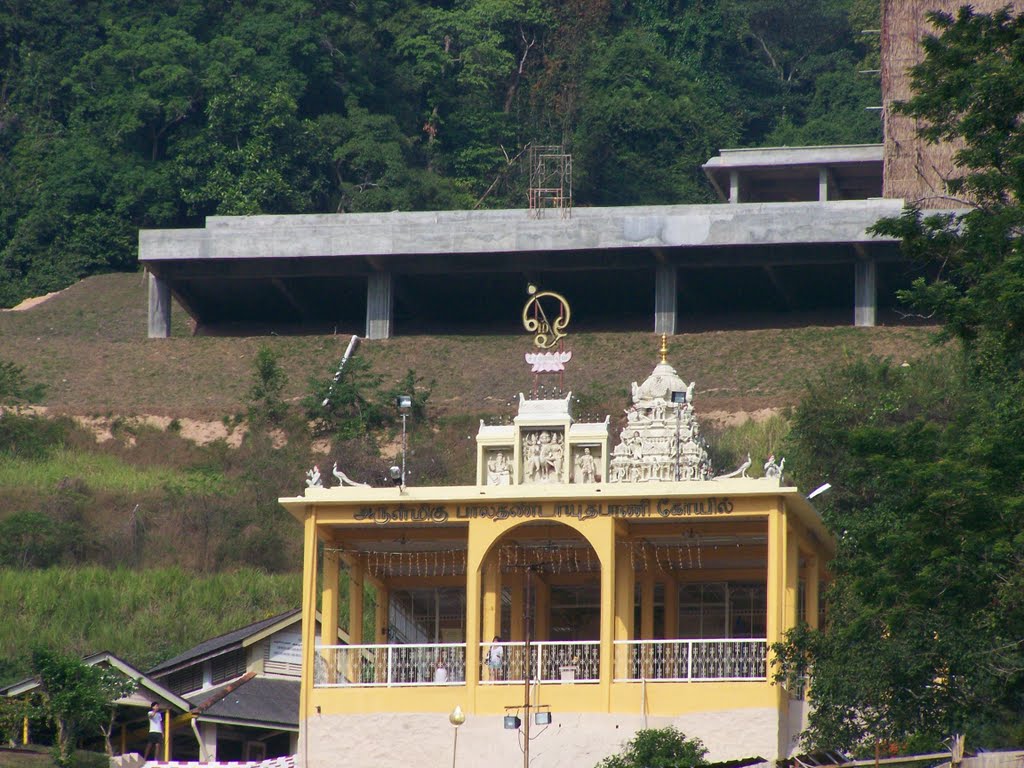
[
  {"x": 665, "y": 276},
  {"x": 159, "y": 308},
  {"x": 480, "y": 235},
  {"x": 380, "y": 293},
  {"x": 865, "y": 293}
]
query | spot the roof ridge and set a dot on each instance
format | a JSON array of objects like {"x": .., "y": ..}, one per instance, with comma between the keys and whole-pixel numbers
[{"x": 224, "y": 692}]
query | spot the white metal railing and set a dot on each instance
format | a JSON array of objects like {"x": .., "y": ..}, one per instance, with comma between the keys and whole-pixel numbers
[
  {"x": 390, "y": 665},
  {"x": 551, "y": 661},
  {"x": 690, "y": 660},
  {"x": 433, "y": 664}
]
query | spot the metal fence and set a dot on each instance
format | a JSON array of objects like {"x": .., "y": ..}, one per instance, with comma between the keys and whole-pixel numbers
[
  {"x": 389, "y": 665},
  {"x": 689, "y": 660},
  {"x": 550, "y": 662},
  {"x": 426, "y": 664}
]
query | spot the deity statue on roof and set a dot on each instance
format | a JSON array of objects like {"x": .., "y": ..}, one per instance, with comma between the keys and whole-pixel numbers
[{"x": 661, "y": 440}]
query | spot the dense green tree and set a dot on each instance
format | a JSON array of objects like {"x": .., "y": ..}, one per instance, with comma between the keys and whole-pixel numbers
[
  {"x": 116, "y": 115},
  {"x": 927, "y": 462},
  {"x": 76, "y": 697}
]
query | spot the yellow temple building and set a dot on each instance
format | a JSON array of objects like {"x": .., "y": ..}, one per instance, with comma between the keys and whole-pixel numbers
[{"x": 584, "y": 590}]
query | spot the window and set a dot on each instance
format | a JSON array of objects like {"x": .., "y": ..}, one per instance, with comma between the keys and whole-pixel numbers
[
  {"x": 721, "y": 610},
  {"x": 228, "y": 665},
  {"x": 186, "y": 680}
]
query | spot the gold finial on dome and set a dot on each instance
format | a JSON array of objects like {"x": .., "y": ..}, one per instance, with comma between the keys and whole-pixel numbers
[{"x": 664, "y": 348}]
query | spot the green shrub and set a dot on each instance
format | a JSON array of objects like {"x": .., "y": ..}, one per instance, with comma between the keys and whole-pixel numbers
[
  {"x": 29, "y": 540},
  {"x": 30, "y": 437},
  {"x": 658, "y": 748}
]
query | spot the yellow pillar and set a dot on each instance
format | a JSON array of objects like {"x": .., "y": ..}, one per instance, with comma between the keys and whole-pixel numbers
[
  {"x": 625, "y": 586},
  {"x": 492, "y": 598},
  {"x": 167, "y": 735},
  {"x": 477, "y": 541},
  {"x": 775, "y": 620},
  {"x": 492, "y": 604},
  {"x": 381, "y": 617},
  {"x": 603, "y": 542},
  {"x": 647, "y": 622},
  {"x": 776, "y": 576},
  {"x": 647, "y": 607},
  {"x": 24, "y": 731},
  {"x": 329, "y": 599},
  {"x": 792, "y": 580},
  {"x": 813, "y": 578},
  {"x": 671, "y": 608},
  {"x": 308, "y": 613},
  {"x": 329, "y": 613},
  {"x": 542, "y": 608},
  {"x": 517, "y": 608},
  {"x": 380, "y": 632},
  {"x": 355, "y": 618}
]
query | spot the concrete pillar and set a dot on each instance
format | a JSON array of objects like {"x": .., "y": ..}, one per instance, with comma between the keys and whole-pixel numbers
[
  {"x": 380, "y": 295},
  {"x": 159, "y": 308},
  {"x": 734, "y": 187},
  {"x": 208, "y": 737},
  {"x": 865, "y": 293},
  {"x": 665, "y": 276},
  {"x": 823, "y": 185}
]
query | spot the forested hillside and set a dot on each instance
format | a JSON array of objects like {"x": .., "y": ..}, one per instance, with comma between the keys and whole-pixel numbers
[{"x": 120, "y": 114}]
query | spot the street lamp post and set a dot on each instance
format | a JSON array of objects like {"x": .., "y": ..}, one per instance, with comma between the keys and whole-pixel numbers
[
  {"x": 456, "y": 718},
  {"x": 404, "y": 403}
]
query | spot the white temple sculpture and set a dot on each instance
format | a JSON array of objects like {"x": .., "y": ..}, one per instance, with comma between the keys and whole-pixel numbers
[{"x": 661, "y": 440}]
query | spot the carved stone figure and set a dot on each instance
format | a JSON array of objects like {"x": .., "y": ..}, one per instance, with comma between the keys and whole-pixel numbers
[
  {"x": 344, "y": 479},
  {"x": 586, "y": 467},
  {"x": 313, "y": 478},
  {"x": 773, "y": 470},
  {"x": 499, "y": 471}
]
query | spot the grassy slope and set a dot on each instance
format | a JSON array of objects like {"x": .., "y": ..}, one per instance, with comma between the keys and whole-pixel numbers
[
  {"x": 142, "y": 616},
  {"x": 88, "y": 344}
]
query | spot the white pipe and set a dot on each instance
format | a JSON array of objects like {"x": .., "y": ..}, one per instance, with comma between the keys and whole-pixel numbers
[{"x": 341, "y": 367}]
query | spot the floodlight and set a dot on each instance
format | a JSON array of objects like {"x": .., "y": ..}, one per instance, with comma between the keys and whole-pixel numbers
[
  {"x": 512, "y": 722},
  {"x": 819, "y": 490},
  {"x": 396, "y": 474},
  {"x": 679, "y": 397},
  {"x": 542, "y": 718},
  {"x": 404, "y": 402}
]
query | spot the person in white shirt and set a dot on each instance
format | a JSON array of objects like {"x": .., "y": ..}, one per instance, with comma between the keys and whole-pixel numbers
[{"x": 156, "y": 732}]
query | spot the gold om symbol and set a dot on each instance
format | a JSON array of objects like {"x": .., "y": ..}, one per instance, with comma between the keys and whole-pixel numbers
[{"x": 535, "y": 319}]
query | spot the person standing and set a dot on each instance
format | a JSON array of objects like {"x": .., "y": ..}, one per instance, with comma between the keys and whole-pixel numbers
[
  {"x": 156, "y": 732},
  {"x": 494, "y": 658}
]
